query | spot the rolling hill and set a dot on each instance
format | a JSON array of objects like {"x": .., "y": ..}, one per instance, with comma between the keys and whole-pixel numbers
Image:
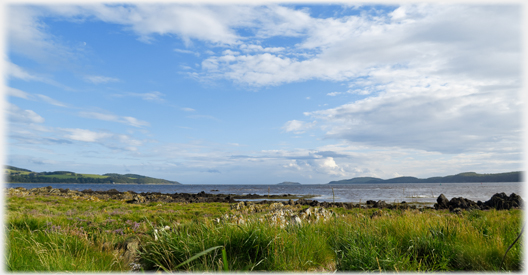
[
  {"x": 15, "y": 174},
  {"x": 462, "y": 177}
]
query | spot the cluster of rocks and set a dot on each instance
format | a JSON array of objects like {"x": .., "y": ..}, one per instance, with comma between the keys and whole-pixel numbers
[
  {"x": 276, "y": 214},
  {"x": 350, "y": 205},
  {"x": 499, "y": 201}
]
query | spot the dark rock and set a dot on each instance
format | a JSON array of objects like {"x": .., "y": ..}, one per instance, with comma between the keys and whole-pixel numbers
[
  {"x": 501, "y": 201},
  {"x": 462, "y": 203},
  {"x": 112, "y": 191},
  {"x": 381, "y": 204},
  {"x": 442, "y": 202}
]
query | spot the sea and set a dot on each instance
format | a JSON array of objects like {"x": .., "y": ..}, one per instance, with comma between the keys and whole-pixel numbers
[{"x": 420, "y": 193}]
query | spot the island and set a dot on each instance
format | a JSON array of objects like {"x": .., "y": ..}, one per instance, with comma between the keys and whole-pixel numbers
[
  {"x": 458, "y": 178},
  {"x": 288, "y": 183},
  {"x": 20, "y": 175}
]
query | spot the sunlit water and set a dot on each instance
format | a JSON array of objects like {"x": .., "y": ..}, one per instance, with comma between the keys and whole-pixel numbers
[{"x": 389, "y": 192}]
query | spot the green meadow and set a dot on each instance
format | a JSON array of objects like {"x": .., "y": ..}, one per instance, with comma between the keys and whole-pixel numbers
[{"x": 54, "y": 233}]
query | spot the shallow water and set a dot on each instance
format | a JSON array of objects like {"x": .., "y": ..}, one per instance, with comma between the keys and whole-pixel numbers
[{"x": 389, "y": 192}]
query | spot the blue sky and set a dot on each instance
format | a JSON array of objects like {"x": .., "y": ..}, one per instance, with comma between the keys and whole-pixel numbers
[{"x": 258, "y": 94}]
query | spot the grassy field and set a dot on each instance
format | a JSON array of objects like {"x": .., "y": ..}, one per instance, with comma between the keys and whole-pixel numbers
[{"x": 52, "y": 233}]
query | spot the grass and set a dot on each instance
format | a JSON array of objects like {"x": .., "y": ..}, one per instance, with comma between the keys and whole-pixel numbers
[{"x": 53, "y": 233}]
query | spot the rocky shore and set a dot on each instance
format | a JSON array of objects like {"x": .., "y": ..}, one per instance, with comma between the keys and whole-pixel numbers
[
  {"x": 143, "y": 197},
  {"x": 498, "y": 201}
]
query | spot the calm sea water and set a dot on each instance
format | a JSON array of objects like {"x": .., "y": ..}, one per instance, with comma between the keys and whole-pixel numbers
[{"x": 389, "y": 192}]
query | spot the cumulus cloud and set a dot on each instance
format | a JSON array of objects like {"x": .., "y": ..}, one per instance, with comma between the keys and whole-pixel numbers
[
  {"x": 431, "y": 114},
  {"x": 207, "y": 23},
  {"x": 454, "y": 41}
]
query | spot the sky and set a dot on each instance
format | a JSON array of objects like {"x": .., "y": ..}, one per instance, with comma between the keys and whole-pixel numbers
[{"x": 234, "y": 93}]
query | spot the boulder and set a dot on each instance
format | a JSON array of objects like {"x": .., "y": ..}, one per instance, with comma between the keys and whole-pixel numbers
[
  {"x": 462, "y": 203},
  {"x": 501, "y": 201},
  {"x": 381, "y": 204},
  {"x": 441, "y": 202}
]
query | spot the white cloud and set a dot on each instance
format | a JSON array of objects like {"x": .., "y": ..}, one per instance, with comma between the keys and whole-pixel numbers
[
  {"x": 17, "y": 93},
  {"x": 187, "y": 52},
  {"x": 188, "y": 109},
  {"x": 85, "y": 135},
  {"x": 110, "y": 140},
  {"x": 432, "y": 114},
  {"x": 97, "y": 79},
  {"x": 16, "y": 71},
  {"x": 150, "y": 96},
  {"x": 259, "y": 48},
  {"x": 51, "y": 101},
  {"x": 153, "y": 96},
  {"x": 27, "y": 34},
  {"x": 206, "y": 23},
  {"x": 298, "y": 126},
  {"x": 134, "y": 121},
  {"x": 119, "y": 119},
  {"x": 38, "y": 97},
  {"x": 15, "y": 114},
  {"x": 457, "y": 41}
]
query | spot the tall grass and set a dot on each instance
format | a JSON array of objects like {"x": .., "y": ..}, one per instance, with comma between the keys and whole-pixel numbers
[
  {"x": 38, "y": 250},
  {"x": 406, "y": 241},
  {"x": 58, "y": 234},
  {"x": 250, "y": 247}
]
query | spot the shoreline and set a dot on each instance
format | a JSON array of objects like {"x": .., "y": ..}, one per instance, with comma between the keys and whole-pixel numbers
[{"x": 498, "y": 201}]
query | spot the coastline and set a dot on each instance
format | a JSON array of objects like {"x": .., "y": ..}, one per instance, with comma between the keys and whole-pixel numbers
[{"x": 498, "y": 201}]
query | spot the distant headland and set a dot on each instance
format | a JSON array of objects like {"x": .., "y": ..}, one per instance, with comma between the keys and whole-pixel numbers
[
  {"x": 15, "y": 174},
  {"x": 458, "y": 178}
]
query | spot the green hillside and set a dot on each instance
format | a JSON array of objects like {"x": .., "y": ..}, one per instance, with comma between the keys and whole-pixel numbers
[
  {"x": 15, "y": 174},
  {"x": 458, "y": 178}
]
